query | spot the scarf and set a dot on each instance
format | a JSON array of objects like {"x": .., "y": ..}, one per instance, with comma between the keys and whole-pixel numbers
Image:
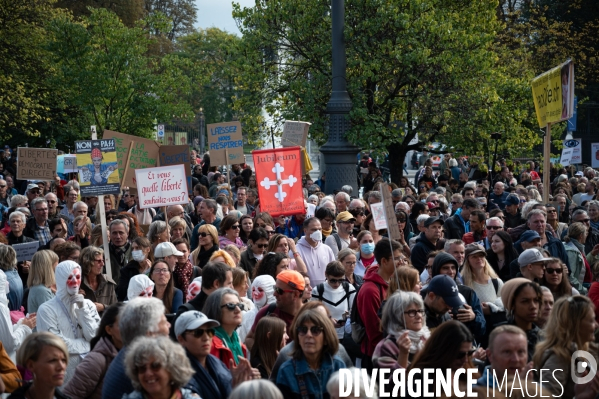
[
  {"x": 203, "y": 255},
  {"x": 119, "y": 252},
  {"x": 326, "y": 233},
  {"x": 183, "y": 275},
  {"x": 418, "y": 338},
  {"x": 231, "y": 342}
]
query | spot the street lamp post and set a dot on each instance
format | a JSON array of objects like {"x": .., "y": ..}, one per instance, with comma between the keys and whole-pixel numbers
[
  {"x": 339, "y": 154},
  {"x": 202, "y": 136}
]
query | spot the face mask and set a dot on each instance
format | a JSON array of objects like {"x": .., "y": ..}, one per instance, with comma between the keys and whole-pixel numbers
[
  {"x": 74, "y": 282},
  {"x": 316, "y": 236},
  {"x": 259, "y": 297},
  {"x": 147, "y": 292},
  {"x": 367, "y": 248},
  {"x": 193, "y": 290},
  {"x": 138, "y": 255}
]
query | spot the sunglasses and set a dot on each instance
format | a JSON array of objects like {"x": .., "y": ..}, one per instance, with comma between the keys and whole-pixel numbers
[
  {"x": 155, "y": 366},
  {"x": 204, "y": 234},
  {"x": 235, "y": 227},
  {"x": 584, "y": 220},
  {"x": 270, "y": 232},
  {"x": 261, "y": 245},
  {"x": 281, "y": 291},
  {"x": 314, "y": 330},
  {"x": 336, "y": 280},
  {"x": 4, "y": 186},
  {"x": 231, "y": 306},
  {"x": 199, "y": 332},
  {"x": 552, "y": 271},
  {"x": 461, "y": 355},
  {"x": 494, "y": 227}
]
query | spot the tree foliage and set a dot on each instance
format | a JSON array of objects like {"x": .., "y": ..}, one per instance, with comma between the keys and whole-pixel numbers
[
  {"x": 102, "y": 68},
  {"x": 415, "y": 68}
]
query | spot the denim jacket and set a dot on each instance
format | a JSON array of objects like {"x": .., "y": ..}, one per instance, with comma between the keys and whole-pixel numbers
[{"x": 315, "y": 380}]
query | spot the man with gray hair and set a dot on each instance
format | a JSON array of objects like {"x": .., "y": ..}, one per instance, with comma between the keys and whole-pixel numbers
[
  {"x": 347, "y": 189},
  {"x": 420, "y": 222},
  {"x": 18, "y": 201},
  {"x": 52, "y": 201},
  {"x": 37, "y": 227},
  {"x": 119, "y": 247},
  {"x": 536, "y": 220},
  {"x": 374, "y": 197},
  {"x": 79, "y": 209},
  {"x": 403, "y": 206},
  {"x": 492, "y": 226},
  {"x": 580, "y": 215},
  {"x": 342, "y": 201},
  {"x": 396, "y": 196},
  {"x": 140, "y": 317}
]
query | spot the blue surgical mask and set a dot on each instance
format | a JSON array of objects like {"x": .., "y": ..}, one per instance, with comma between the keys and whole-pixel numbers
[{"x": 367, "y": 248}]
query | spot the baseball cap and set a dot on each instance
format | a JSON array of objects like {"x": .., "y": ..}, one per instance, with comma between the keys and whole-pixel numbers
[
  {"x": 472, "y": 249},
  {"x": 292, "y": 279},
  {"x": 432, "y": 220},
  {"x": 579, "y": 174},
  {"x": 345, "y": 216},
  {"x": 32, "y": 186},
  {"x": 531, "y": 255},
  {"x": 444, "y": 286},
  {"x": 165, "y": 249},
  {"x": 192, "y": 320},
  {"x": 512, "y": 200},
  {"x": 529, "y": 235}
]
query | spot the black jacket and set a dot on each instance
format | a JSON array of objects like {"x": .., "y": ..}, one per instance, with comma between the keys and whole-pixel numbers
[
  {"x": 127, "y": 273},
  {"x": 421, "y": 249},
  {"x": 454, "y": 228},
  {"x": 22, "y": 391}
]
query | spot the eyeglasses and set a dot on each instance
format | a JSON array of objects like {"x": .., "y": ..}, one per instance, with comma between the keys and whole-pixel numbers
[
  {"x": 336, "y": 280},
  {"x": 199, "y": 332},
  {"x": 155, "y": 366},
  {"x": 314, "y": 330},
  {"x": 434, "y": 201},
  {"x": 494, "y": 227},
  {"x": 414, "y": 312},
  {"x": 235, "y": 227},
  {"x": 552, "y": 271},
  {"x": 461, "y": 355},
  {"x": 455, "y": 202},
  {"x": 281, "y": 291},
  {"x": 584, "y": 220},
  {"x": 161, "y": 271},
  {"x": 231, "y": 306}
]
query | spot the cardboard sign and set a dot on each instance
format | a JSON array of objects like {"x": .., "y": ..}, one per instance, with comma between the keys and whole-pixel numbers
[
  {"x": 572, "y": 152},
  {"x": 295, "y": 133},
  {"x": 392, "y": 227},
  {"x": 36, "y": 163},
  {"x": 225, "y": 143},
  {"x": 279, "y": 180},
  {"x": 161, "y": 186},
  {"x": 26, "y": 250},
  {"x": 553, "y": 94},
  {"x": 177, "y": 155},
  {"x": 144, "y": 154},
  {"x": 98, "y": 167}
]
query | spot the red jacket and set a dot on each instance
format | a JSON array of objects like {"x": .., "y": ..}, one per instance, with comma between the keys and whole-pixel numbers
[
  {"x": 220, "y": 350},
  {"x": 369, "y": 301},
  {"x": 594, "y": 297}
]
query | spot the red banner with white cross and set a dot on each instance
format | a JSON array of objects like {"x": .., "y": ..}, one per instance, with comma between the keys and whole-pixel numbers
[{"x": 279, "y": 181}]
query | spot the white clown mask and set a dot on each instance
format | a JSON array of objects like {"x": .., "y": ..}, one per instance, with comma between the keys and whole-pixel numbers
[
  {"x": 263, "y": 288},
  {"x": 194, "y": 288}
]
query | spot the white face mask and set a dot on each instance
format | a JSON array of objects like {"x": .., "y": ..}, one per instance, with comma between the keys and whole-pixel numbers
[
  {"x": 316, "y": 236},
  {"x": 138, "y": 255},
  {"x": 74, "y": 282}
]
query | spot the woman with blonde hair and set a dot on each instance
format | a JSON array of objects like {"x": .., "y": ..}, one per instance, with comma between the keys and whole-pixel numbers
[
  {"x": 405, "y": 279},
  {"x": 223, "y": 256},
  {"x": 234, "y": 252},
  {"x": 178, "y": 228},
  {"x": 207, "y": 245},
  {"x": 41, "y": 281},
  {"x": 571, "y": 327}
]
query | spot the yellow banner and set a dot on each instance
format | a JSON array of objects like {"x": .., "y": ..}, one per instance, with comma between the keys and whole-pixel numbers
[{"x": 553, "y": 94}]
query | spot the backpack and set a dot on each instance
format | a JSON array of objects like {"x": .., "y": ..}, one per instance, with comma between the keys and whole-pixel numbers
[
  {"x": 337, "y": 240},
  {"x": 320, "y": 288},
  {"x": 358, "y": 329}
]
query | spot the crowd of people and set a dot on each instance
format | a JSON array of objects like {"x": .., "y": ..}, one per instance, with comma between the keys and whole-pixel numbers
[{"x": 216, "y": 299}]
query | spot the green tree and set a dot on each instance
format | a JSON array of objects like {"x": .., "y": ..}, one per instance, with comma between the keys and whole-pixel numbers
[
  {"x": 102, "y": 69},
  {"x": 129, "y": 11},
  {"x": 430, "y": 67}
]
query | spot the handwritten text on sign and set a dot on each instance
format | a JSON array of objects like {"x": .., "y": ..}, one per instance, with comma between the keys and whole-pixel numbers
[
  {"x": 295, "y": 133},
  {"x": 26, "y": 250},
  {"x": 225, "y": 139},
  {"x": 36, "y": 163},
  {"x": 161, "y": 186}
]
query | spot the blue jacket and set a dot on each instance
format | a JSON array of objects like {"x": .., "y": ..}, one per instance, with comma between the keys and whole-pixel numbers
[
  {"x": 316, "y": 381},
  {"x": 116, "y": 382},
  {"x": 216, "y": 383}
]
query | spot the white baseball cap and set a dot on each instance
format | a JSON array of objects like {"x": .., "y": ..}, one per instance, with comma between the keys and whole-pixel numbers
[
  {"x": 192, "y": 320},
  {"x": 165, "y": 249}
]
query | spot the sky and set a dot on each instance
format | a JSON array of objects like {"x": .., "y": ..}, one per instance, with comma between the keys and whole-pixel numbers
[{"x": 217, "y": 13}]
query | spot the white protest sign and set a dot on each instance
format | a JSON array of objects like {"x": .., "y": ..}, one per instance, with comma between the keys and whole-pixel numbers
[
  {"x": 378, "y": 216},
  {"x": 163, "y": 186},
  {"x": 572, "y": 152},
  {"x": 26, "y": 250},
  {"x": 295, "y": 134}
]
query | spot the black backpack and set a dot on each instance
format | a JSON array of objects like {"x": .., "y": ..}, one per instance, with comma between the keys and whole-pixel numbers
[{"x": 358, "y": 329}]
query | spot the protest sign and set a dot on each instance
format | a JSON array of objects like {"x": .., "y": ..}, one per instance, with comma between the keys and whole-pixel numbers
[
  {"x": 392, "y": 226},
  {"x": 36, "y": 163},
  {"x": 279, "y": 180},
  {"x": 162, "y": 186},
  {"x": 378, "y": 216},
  {"x": 572, "y": 152},
  {"x": 98, "y": 167},
  {"x": 225, "y": 143},
  {"x": 177, "y": 155},
  {"x": 66, "y": 164},
  {"x": 553, "y": 94},
  {"x": 144, "y": 154},
  {"x": 295, "y": 133},
  {"x": 595, "y": 155},
  {"x": 26, "y": 250}
]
